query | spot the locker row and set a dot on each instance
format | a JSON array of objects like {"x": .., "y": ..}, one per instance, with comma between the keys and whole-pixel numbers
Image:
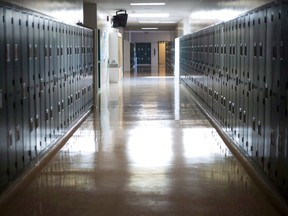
[
  {"x": 238, "y": 70},
  {"x": 46, "y": 84}
]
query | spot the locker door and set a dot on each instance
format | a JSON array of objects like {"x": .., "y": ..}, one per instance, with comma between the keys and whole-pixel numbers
[
  {"x": 17, "y": 86},
  {"x": 57, "y": 80},
  {"x": 41, "y": 81},
  {"x": 63, "y": 85},
  {"x": 249, "y": 110},
  {"x": 283, "y": 124},
  {"x": 66, "y": 77},
  {"x": 47, "y": 93},
  {"x": 53, "y": 80},
  {"x": 37, "y": 77},
  {"x": 12, "y": 155},
  {"x": 60, "y": 77},
  {"x": 25, "y": 86},
  {"x": 272, "y": 66},
  {"x": 3, "y": 106},
  {"x": 32, "y": 97},
  {"x": 255, "y": 88}
]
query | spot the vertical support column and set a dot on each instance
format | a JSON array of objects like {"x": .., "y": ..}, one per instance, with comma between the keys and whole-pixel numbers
[{"x": 90, "y": 20}]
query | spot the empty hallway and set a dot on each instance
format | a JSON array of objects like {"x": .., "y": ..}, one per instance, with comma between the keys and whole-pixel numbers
[{"x": 146, "y": 150}]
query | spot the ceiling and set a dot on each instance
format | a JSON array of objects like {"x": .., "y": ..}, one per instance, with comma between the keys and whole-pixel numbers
[{"x": 197, "y": 13}]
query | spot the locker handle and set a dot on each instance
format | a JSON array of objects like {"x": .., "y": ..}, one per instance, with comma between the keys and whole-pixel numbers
[
  {"x": 51, "y": 113},
  {"x": 233, "y": 108},
  {"x": 266, "y": 91},
  {"x": 254, "y": 124},
  {"x": 37, "y": 121},
  {"x": 8, "y": 52},
  {"x": 18, "y": 132},
  {"x": 47, "y": 115},
  {"x": 31, "y": 124},
  {"x": 16, "y": 52},
  {"x": 250, "y": 86},
  {"x": 244, "y": 117},
  {"x": 240, "y": 114},
  {"x": 259, "y": 128},
  {"x": 35, "y": 51},
  {"x": 10, "y": 138},
  {"x": 50, "y": 51},
  {"x": 62, "y": 105},
  {"x": 59, "y": 107}
]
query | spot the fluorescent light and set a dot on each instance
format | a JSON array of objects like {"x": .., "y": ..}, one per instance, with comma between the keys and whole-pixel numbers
[
  {"x": 147, "y": 21},
  {"x": 149, "y": 28},
  {"x": 147, "y": 15},
  {"x": 147, "y": 4}
]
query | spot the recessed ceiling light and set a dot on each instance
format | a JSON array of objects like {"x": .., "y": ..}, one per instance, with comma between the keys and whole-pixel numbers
[
  {"x": 148, "y": 21},
  {"x": 147, "y": 15},
  {"x": 149, "y": 28},
  {"x": 147, "y": 4}
]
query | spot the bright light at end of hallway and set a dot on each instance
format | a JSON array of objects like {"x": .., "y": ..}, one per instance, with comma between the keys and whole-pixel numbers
[{"x": 150, "y": 146}]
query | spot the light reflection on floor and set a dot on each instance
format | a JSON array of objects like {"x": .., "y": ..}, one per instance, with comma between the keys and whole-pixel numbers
[{"x": 147, "y": 150}]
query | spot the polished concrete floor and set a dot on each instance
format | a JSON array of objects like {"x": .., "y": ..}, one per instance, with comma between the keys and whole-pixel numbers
[{"x": 147, "y": 150}]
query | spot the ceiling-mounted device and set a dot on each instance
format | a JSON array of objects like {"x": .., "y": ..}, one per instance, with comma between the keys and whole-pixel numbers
[{"x": 120, "y": 19}]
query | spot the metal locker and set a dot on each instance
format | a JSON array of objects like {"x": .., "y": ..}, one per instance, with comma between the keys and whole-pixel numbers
[
  {"x": 41, "y": 81},
  {"x": 249, "y": 88},
  {"x": 17, "y": 86},
  {"x": 53, "y": 81},
  {"x": 32, "y": 96},
  {"x": 25, "y": 86},
  {"x": 47, "y": 90},
  {"x": 66, "y": 76},
  {"x": 63, "y": 81},
  {"x": 11, "y": 135},
  {"x": 58, "y": 78},
  {"x": 37, "y": 94},
  {"x": 3, "y": 106},
  {"x": 272, "y": 77}
]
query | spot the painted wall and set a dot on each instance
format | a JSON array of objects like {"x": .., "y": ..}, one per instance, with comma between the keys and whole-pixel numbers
[
  {"x": 66, "y": 11},
  {"x": 150, "y": 37},
  {"x": 126, "y": 56}
]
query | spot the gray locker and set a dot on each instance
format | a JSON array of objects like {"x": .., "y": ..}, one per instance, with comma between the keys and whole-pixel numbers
[
  {"x": 249, "y": 88},
  {"x": 17, "y": 86},
  {"x": 53, "y": 79},
  {"x": 3, "y": 107},
  {"x": 11, "y": 135},
  {"x": 32, "y": 89},
  {"x": 37, "y": 92},
  {"x": 25, "y": 86},
  {"x": 41, "y": 81},
  {"x": 47, "y": 90}
]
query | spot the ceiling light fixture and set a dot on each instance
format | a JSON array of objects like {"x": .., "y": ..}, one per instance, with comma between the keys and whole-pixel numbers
[
  {"x": 147, "y": 15},
  {"x": 149, "y": 28},
  {"x": 148, "y": 21},
  {"x": 147, "y": 4}
]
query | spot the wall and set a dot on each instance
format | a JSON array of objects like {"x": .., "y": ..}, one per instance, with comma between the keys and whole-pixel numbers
[
  {"x": 67, "y": 11},
  {"x": 104, "y": 28},
  {"x": 126, "y": 56},
  {"x": 150, "y": 37}
]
